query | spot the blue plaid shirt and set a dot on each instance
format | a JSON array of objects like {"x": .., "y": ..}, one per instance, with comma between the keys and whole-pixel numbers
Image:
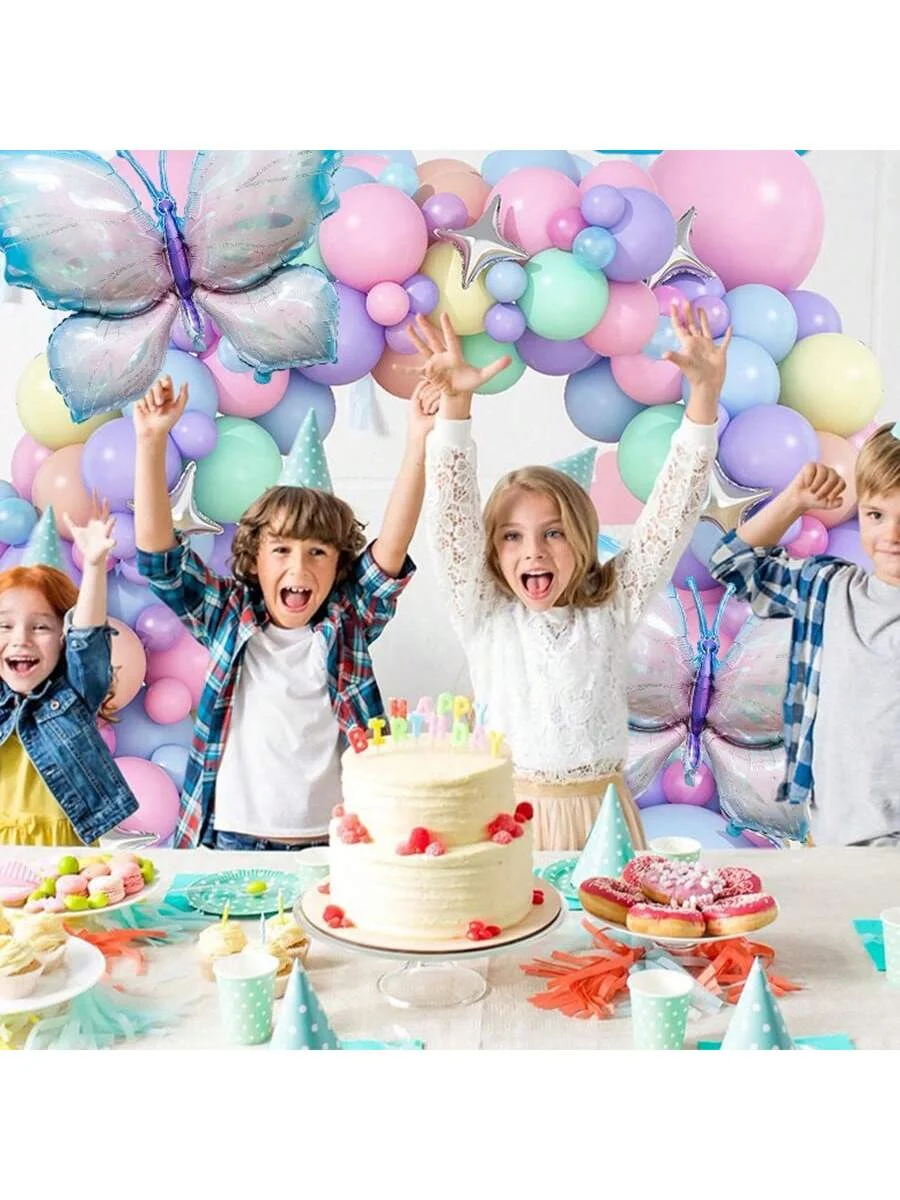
[
  {"x": 777, "y": 585},
  {"x": 223, "y": 613}
]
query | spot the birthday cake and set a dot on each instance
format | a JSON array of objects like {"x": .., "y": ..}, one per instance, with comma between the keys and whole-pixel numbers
[{"x": 428, "y": 843}]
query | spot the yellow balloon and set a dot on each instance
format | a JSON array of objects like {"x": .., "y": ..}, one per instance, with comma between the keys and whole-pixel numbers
[
  {"x": 832, "y": 380},
  {"x": 43, "y": 411},
  {"x": 465, "y": 307}
]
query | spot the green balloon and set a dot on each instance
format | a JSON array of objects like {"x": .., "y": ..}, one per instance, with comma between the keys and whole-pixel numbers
[
  {"x": 480, "y": 350},
  {"x": 562, "y": 300},
  {"x": 644, "y": 447},
  {"x": 311, "y": 257},
  {"x": 245, "y": 462}
]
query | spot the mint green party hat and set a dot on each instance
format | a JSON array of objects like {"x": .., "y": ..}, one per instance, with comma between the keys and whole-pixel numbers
[
  {"x": 44, "y": 549},
  {"x": 306, "y": 464},
  {"x": 579, "y": 467},
  {"x": 757, "y": 1023},
  {"x": 302, "y": 1023},
  {"x": 609, "y": 847}
]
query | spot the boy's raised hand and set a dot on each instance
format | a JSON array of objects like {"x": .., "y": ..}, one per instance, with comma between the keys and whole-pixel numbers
[
  {"x": 158, "y": 412},
  {"x": 445, "y": 366},
  {"x": 817, "y": 486},
  {"x": 94, "y": 539}
]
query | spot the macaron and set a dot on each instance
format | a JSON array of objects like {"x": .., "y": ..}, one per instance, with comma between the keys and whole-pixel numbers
[
  {"x": 131, "y": 877},
  {"x": 95, "y": 870},
  {"x": 71, "y": 885},
  {"x": 14, "y": 897},
  {"x": 111, "y": 886}
]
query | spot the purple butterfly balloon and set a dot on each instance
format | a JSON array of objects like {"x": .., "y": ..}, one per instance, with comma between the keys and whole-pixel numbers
[
  {"x": 684, "y": 696},
  {"x": 74, "y": 232}
]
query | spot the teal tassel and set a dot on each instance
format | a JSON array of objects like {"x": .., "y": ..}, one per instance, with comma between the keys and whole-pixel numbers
[
  {"x": 95, "y": 1020},
  {"x": 178, "y": 925}
]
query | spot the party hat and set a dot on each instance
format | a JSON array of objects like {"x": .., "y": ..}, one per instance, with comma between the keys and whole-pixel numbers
[
  {"x": 44, "y": 548},
  {"x": 579, "y": 467},
  {"x": 757, "y": 1023},
  {"x": 302, "y": 1023},
  {"x": 609, "y": 847},
  {"x": 306, "y": 465}
]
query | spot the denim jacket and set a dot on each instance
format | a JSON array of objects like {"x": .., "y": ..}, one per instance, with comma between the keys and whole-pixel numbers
[{"x": 56, "y": 726}]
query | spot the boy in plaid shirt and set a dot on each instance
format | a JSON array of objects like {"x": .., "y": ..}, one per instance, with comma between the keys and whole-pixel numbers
[
  {"x": 840, "y": 710},
  {"x": 290, "y": 680}
]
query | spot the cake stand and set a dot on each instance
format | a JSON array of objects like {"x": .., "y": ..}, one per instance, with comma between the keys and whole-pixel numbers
[{"x": 433, "y": 974}]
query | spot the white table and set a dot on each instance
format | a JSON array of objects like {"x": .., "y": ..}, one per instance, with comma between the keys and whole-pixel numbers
[{"x": 819, "y": 892}]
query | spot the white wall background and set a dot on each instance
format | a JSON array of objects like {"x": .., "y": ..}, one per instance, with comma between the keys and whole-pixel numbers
[{"x": 857, "y": 269}]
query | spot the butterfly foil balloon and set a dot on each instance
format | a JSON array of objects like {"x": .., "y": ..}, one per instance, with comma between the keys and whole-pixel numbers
[
  {"x": 681, "y": 695},
  {"x": 74, "y": 232}
]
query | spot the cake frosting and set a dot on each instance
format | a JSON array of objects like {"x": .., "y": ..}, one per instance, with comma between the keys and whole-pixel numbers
[{"x": 428, "y": 842}]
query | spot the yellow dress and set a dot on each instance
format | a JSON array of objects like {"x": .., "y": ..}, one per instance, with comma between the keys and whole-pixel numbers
[{"x": 29, "y": 814}]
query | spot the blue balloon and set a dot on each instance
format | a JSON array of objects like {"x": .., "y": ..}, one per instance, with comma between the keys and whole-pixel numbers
[
  {"x": 229, "y": 358},
  {"x": 7, "y": 489},
  {"x": 174, "y": 760},
  {"x": 283, "y": 421},
  {"x": 596, "y": 405},
  {"x": 765, "y": 316},
  {"x": 203, "y": 544},
  {"x": 17, "y": 519},
  {"x": 203, "y": 392},
  {"x": 506, "y": 282},
  {"x": 126, "y": 601},
  {"x": 690, "y": 820},
  {"x": 139, "y": 737},
  {"x": 582, "y": 164},
  {"x": 664, "y": 339},
  {"x": 594, "y": 248},
  {"x": 706, "y": 538},
  {"x": 348, "y": 177},
  {"x": 401, "y": 176},
  {"x": 501, "y": 162},
  {"x": 751, "y": 378}
]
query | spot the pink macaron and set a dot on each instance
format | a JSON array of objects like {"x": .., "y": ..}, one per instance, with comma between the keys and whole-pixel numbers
[
  {"x": 131, "y": 877},
  {"x": 14, "y": 897},
  {"x": 111, "y": 886},
  {"x": 53, "y": 905},
  {"x": 71, "y": 885},
  {"x": 95, "y": 870},
  {"x": 123, "y": 860}
]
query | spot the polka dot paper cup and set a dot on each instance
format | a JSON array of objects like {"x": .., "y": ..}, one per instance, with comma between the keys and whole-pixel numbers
[
  {"x": 678, "y": 849},
  {"x": 659, "y": 1008},
  {"x": 246, "y": 985},
  {"x": 890, "y": 926}
]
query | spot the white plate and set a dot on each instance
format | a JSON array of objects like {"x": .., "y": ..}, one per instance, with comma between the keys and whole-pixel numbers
[
  {"x": 82, "y": 968},
  {"x": 148, "y": 890}
]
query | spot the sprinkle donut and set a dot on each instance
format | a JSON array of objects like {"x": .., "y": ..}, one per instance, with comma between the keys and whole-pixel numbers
[
  {"x": 609, "y": 899},
  {"x": 636, "y": 869},
  {"x": 738, "y": 881},
  {"x": 660, "y": 921},
  {"x": 682, "y": 885},
  {"x": 739, "y": 915}
]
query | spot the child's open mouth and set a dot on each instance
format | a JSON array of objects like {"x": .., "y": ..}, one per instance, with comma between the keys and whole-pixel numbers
[
  {"x": 295, "y": 599},
  {"x": 21, "y": 666},
  {"x": 538, "y": 584}
]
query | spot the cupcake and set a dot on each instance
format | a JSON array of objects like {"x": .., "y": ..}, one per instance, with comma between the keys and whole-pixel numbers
[
  {"x": 19, "y": 969},
  {"x": 44, "y": 935},
  {"x": 5, "y": 927},
  {"x": 219, "y": 941},
  {"x": 285, "y": 937},
  {"x": 285, "y": 966}
]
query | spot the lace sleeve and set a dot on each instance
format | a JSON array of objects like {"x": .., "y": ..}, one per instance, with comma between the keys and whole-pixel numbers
[
  {"x": 663, "y": 529},
  {"x": 453, "y": 519}
]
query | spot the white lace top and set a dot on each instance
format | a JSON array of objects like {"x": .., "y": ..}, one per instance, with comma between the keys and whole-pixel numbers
[{"x": 555, "y": 682}]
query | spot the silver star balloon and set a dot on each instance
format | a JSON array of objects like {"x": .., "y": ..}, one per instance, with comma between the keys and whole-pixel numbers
[
  {"x": 682, "y": 259},
  {"x": 729, "y": 502},
  {"x": 186, "y": 517},
  {"x": 482, "y": 244}
]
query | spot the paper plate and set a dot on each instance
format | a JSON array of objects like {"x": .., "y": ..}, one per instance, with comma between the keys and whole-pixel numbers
[{"x": 211, "y": 893}]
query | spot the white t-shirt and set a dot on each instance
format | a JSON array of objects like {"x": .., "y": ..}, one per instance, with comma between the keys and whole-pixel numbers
[{"x": 280, "y": 772}]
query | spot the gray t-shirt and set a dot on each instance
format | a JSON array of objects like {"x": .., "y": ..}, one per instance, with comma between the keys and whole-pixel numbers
[{"x": 856, "y": 736}]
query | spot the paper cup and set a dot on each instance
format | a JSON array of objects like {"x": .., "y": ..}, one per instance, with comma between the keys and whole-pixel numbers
[
  {"x": 246, "y": 985},
  {"x": 312, "y": 865},
  {"x": 890, "y": 925},
  {"x": 678, "y": 849},
  {"x": 659, "y": 1008}
]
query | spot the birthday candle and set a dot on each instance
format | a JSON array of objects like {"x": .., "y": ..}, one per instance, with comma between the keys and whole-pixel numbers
[
  {"x": 444, "y": 704},
  {"x": 425, "y": 705},
  {"x": 460, "y": 735},
  {"x": 431, "y": 722},
  {"x": 496, "y": 741},
  {"x": 399, "y": 727},
  {"x": 416, "y": 723},
  {"x": 358, "y": 739},
  {"x": 376, "y": 724},
  {"x": 443, "y": 726},
  {"x": 461, "y": 707},
  {"x": 398, "y": 708},
  {"x": 478, "y": 741},
  {"x": 480, "y": 714}
]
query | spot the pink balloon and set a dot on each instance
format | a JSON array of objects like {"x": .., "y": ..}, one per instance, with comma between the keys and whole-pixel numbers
[
  {"x": 374, "y": 164},
  {"x": 58, "y": 482},
  {"x": 678, "y": 791},
  {"x": 734, "y": 617},
  {"x": 186, "y": 661},
  {"x": 812, "y": 539},
  {"x": 666, "y": 296},
  {"x": 156, "y": 794},
  {"x": 129, "y": 664},
  {"x": 387, "y": 303},
  {"x": 239, "y": 393},
  {"x": 26, "y": 459},
  {"x": 108, "y": 734},
  {"x": 564, "y": 226},
  {"x": 530, "y": 197},
  {"x": 614, "y": 503},
  {"x": 760, "y": 216},
  {"x": 647, "y": 380},
  {"x": 618, "y": 173},
  {"x": 179, "y": 164},
  {"x": 378, "y": 234},
  {"x": 838, "y": 453},
  {"x": 628, "y": 323},
  {"x": 757, "y": 840},
  {"x": 167, "y": 701},
  {"x": 858, "y": 440}
]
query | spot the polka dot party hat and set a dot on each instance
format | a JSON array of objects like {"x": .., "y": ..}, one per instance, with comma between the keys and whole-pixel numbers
[
  {"x": 306, "y": 465},
  {"x": 609, "y": 847},
  {"x": 302, "y": 1023},
  {"x": 579, "y": 467},
  {"x": 44, "y": 549},
  {"x": 757, "y": 1023}
]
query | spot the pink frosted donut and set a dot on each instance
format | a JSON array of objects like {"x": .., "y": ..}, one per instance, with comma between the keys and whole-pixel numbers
[
  {"x": 659, "y": 921},
  {"x": 638, "y": 867},
  {"x": 608, "y": 898},
  {"x": 682, "y": 885},
  {"x": 739, "y": 915},
  {"x": 71, "y": 885},
  {"x": 738, "y": 881}
]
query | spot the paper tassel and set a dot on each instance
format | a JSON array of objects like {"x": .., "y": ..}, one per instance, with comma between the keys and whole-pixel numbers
[{"x": 95, "y": 1020}]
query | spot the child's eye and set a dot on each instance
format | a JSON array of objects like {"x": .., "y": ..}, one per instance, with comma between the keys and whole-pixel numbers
[
  {"x": 511, "y": 536},
  {"x": 318, "y": 551},
  {"x": 554, "y": 533}
]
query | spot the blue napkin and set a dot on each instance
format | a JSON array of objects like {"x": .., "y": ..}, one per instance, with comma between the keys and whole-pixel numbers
[
  {"x": 176, "y": 893},
  {"x": 872, "y": 936},
  {"x": 828, "y": 1041},
  {"x": 369, "y": 1044}
]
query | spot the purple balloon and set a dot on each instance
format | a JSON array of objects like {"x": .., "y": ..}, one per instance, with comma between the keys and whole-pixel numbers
[
  {"x": 397, "y": 337},
  {"x": 815, "y": 314},
  {"x": 423, "y": 294},
  {"x": 505, "y": 323},
  {"x": 195, "y": 435},
  {"x": 844, "y": 542},
  {"x": 687, "y": 820},
  {"x": 689, "y": 565},
  {"x": 128, "y": 570},
  {"x": 444, "y": 211},
  {"x": 180, "y": 339},
  {"x": 644, "y": 237},
  {"x": 653, "y": 794},
  {"x": 717, "y": 313},
  {"x": 767, "y": 446},
  {"x": 692, "y": 286},
  {"x": 360, "y": 342},
  {"x": 555, "y": 358},
  {"x": 158, "y": 627},
  {"x": 603, "y": 205},
  {"x": 107, "y": 463},
  {"x": 123, "y": 532},
  {"x": 220, "y": 559},
  {"x": 722, "y": 420}
]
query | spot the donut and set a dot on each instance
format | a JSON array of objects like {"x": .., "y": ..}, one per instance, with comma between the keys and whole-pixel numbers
[
  {"x": 636, "y": 869},
  {"x": 660, "y": 921},
  {"x": 682, "y": 885},
  {"x": 609, "y": 899},
  {"x": 738, "y": 881},
  {"x": 739, "y": 915}
]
